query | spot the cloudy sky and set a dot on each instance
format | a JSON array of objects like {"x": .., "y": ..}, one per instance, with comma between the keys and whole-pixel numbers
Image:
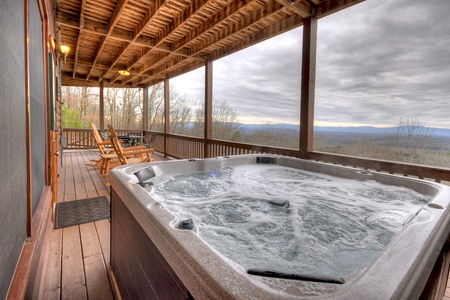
[{"x": 376, "y": 62}]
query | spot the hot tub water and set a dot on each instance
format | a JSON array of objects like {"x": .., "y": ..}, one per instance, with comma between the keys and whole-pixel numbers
[{"x": 279, "y": 218}]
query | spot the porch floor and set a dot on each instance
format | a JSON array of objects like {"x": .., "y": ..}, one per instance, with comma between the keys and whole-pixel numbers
[{"x": 80, "y": 255}]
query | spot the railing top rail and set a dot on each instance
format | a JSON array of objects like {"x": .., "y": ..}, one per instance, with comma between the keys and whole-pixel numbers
[{"x": 421, "y": 171}]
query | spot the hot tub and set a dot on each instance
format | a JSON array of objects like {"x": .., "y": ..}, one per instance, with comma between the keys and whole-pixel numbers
[{"x": 324, "y": 231}]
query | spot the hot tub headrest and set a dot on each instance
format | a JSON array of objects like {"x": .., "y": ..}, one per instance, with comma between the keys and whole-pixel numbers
[{"x": 144, "y": 175}]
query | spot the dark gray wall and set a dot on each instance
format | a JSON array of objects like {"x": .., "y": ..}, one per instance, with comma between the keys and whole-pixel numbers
[
  {"x": 38, "y": 117},
  {"x": 13, "y": 209}
]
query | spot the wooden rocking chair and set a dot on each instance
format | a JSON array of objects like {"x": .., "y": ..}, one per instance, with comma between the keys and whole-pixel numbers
[
  {"x": 126, "y": 156},
  {"x": 108, "y": 157}
]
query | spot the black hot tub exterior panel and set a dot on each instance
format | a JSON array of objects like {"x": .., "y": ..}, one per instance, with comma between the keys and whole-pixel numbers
[{"x": 144, "y": 273}]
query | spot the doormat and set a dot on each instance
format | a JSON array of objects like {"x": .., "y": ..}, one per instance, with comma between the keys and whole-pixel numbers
[{"x": 81, "y": 211}]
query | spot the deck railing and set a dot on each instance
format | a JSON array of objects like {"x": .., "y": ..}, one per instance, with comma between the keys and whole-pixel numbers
[
  {"x": 82, "y": 138},
  {"x": 179, "y": 146}
]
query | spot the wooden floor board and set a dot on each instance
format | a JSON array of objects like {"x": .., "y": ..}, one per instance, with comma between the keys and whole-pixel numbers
[
  {"x": 69, "y": 187},
  {"x": 52, "y": 294},
  {"x": 53, "y": 282},
  {"x": 89, "y": 240},
  {"x": 72, "y": 278},
  {"x": 80, "y": 188},
  {"x": 97, "y": 281},
  {"x": 103, "y": 231}
]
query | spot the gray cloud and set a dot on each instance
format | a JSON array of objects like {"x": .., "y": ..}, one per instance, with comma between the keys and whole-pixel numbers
[
  {"x": 388, "y": 60},
  {"x": 376, "y": 62}
]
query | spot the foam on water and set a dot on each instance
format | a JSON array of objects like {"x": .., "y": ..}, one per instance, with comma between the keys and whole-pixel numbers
[{"x": 331, "y": 226}]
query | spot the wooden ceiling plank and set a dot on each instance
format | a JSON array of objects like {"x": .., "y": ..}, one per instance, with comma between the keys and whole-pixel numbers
[
  {"x": 196, "y": 7},
  {"x": 149, "y": 17},
  {"x": 301, "y": 8},
  {"x": 218, "y": 20},
  {"x": 116, "y": 15}
]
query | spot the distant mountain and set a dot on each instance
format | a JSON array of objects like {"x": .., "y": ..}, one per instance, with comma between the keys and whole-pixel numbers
[
  {"x": 442, "y": 132},
  {"x": 359, "y": 129}
]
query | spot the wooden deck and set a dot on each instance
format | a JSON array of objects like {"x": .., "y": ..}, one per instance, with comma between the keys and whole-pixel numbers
[{"x": 79, "y": 255}]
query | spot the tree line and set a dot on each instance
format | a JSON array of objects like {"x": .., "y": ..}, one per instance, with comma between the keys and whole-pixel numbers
[{"x": 408, "y": 141}]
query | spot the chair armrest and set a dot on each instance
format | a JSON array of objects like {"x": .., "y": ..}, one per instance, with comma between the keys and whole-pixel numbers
[
  {"x": 142, "y": 151},
  {"x": 133, "y": 148}
]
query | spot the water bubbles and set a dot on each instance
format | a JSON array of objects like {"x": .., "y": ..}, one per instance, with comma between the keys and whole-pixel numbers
[
  {"x": 287, "y": 219},
  {"x": 199, "y": 184}
]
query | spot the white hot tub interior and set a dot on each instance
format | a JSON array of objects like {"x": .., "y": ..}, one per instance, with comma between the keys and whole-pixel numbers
[{"x": 271, "y": 217}]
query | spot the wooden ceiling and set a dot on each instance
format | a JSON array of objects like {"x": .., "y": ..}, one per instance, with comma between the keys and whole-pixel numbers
[{"x": 157, "y": 39}]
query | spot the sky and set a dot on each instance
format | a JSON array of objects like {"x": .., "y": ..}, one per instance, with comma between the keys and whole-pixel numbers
[{"x": 377, "y": 62}]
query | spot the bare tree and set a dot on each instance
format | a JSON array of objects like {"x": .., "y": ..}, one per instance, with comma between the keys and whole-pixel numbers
[
  {"x": 411, "y": 139},
  {"x": 225, "y": 123},
  {"x": 132, "y": 108},
  {"x": 156, "y": 107},
  {"x": 111, "y": 107}
]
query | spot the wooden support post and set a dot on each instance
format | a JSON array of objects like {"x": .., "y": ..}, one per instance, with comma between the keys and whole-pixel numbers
[
  {"x": 208, "y": 107},
  {"x": 166, "y": 113},
  {"x": 102, "y": 107},
  {"x": 308, "y": 86},
  {"x": 145, "y": 109}
]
